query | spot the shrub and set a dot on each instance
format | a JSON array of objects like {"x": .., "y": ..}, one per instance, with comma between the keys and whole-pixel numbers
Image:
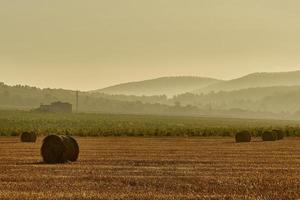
[{"x": 243, "y": 136}]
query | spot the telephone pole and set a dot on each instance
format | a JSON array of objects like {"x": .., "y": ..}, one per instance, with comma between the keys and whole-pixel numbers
[{"x": 77, "y": 100}]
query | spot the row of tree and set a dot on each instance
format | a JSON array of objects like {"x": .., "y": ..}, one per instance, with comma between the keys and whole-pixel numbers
[{"x": 254, "y": 102}]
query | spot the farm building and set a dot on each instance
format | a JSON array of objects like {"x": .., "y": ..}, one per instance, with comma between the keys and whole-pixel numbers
[{"x": 56, "y": 107}]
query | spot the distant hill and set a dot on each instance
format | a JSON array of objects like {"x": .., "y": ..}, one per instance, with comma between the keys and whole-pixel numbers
[
  {"x": 268, "y": 99},
  {"x": 255, "y": 80},
  {"x": 161, "y": 86},
  {"x": 255, "y": 95},
  {"x": 27, "y": 98}
]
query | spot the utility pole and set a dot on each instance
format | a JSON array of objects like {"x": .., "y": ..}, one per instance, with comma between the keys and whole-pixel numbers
[{"x": 77, "y": 100}]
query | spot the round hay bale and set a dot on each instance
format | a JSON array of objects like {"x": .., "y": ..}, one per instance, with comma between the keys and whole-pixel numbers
[
  {"x": 59, "y": 149},
  {"x": 269, "y": 136},
  {"x": 279, "y": 133},
  {"x": 28, "y": 137},
  {"x": 243, "y": 136}
]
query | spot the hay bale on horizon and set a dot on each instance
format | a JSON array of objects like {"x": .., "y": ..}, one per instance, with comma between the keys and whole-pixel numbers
[
  {"x": 269, "y": 136},
  {"x": 59, "y": 149},
  {"x": 279, "y": 133},
  {"x": 243, "y": 136},
  {"x": 28, "y": 137}
]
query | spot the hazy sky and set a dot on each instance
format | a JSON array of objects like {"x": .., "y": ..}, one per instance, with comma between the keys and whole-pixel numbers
[{"x": 89, "y": 44}]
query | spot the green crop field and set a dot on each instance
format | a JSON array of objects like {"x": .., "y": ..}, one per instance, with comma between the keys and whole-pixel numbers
[{"x": 13, "y": 123}]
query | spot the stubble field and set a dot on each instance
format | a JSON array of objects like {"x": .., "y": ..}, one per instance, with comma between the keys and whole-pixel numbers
[{"x": 154, "y": 168}]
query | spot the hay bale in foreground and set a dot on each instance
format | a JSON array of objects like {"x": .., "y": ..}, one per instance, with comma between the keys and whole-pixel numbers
[
  {"x": 279, "y": 133},
  {"x": 59, "y": 149},
  {"x": 28, "y": 137},
  {"x": 243, "y": 136},
  {"x": 269, "y": 136}
]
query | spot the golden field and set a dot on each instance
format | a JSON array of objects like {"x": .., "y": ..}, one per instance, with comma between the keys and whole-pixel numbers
[{"x": 154, "y": 168}]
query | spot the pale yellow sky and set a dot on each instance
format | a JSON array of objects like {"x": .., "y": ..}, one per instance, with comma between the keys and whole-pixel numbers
[{"x": 91, "y": 44}]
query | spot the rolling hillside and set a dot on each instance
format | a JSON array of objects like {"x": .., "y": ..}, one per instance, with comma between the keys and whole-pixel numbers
[
  {"x": 268, "y": 99},
  {"x": 257, "y": 94},
  {"x": 255, "y": 80},
  {"x": 162, "y": 86},
  {"x": 27, "y": 98}
]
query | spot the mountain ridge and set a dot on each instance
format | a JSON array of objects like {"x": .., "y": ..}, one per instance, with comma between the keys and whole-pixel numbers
[
  {"x": 257, "y": 79},
  {"x": 176, "y": 85},
  {"x": 160, "y": 86}
]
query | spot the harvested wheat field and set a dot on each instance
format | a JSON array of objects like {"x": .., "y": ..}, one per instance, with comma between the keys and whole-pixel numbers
[{"x": 154, "y": 168}]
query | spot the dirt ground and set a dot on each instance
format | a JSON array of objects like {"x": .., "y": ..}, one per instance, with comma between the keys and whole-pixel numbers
[{"x": 154, "y": 168}]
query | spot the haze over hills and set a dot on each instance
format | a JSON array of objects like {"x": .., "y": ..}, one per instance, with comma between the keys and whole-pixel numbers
[
  {"x": 161, "y": 86},
  {"x": 179, "y": 85},
  {"x": 255, "y": 80},
  {"x": 262, "y": 95},
  {"x": 268, "y": 99},
  {"x": 28, "y": 98}
]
